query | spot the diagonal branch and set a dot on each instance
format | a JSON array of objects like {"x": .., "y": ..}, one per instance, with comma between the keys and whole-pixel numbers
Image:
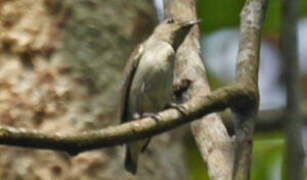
[
  {"x": 116, "y": 135},
  {"x": 252, "y": 16}
]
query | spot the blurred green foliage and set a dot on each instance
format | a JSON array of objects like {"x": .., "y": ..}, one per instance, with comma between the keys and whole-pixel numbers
[
  {"x": 217, "y": 14},
  {"x": 267, "y": 154},
  {"x": 197, "y": 167},
  {"x": 214, "y": 82}
]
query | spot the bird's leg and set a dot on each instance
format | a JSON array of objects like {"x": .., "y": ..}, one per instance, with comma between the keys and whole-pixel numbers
[
  {"x": 137, "y": 115},
  {"x": 151, "y": 115},
  {"x": 176, "y": 106},
  {"x": 146, "y": 145},
  {"x": 145, "y": 115}
]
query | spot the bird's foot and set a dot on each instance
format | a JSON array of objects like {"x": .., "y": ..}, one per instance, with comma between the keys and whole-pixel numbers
[
  {"x": 145, "y": 145},
  {"x": 178, "y": 107},
  {"x": 151, "y": 115}
]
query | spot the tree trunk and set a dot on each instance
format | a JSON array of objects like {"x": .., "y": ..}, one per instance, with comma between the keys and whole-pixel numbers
[{"x": 61, "y": 65}]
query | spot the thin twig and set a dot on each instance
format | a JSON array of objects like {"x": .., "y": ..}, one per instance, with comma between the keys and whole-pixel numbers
[{"x": 267, "y": 120}]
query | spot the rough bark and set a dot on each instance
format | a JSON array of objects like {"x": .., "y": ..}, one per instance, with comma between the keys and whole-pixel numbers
[
  {"x": 61, "y": 64},
  {"x": 294, "y": 122},
  {"x": 210, "y": 134},
  {"x": 252, "y": 16}
]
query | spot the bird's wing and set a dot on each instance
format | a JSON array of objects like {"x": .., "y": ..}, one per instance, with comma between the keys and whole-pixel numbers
[{"x": 129, "y": 73}]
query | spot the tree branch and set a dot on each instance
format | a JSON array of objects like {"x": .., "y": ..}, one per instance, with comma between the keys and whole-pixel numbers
[
  {"x": 252, "y": 16},
  {"x": 210, "y": 134},
  {"x": 134, "y": 130},
  {"x": 266, "y": 120},
  {"x": 293, "y": 125}
]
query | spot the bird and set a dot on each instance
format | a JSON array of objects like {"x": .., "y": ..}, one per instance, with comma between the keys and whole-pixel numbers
[{"x": 148, "y": 78}]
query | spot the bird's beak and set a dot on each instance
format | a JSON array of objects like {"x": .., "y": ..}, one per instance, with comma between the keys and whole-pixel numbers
[{"x": 191, "y": 23}]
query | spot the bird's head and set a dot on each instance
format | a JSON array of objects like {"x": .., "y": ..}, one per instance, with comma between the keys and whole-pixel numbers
[{"x": 174, "y": 31}]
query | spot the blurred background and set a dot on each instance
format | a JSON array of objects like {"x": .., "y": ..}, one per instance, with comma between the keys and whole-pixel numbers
[
  {"x": 61, "y": 66},
  {"x": 220, "y": 40}
]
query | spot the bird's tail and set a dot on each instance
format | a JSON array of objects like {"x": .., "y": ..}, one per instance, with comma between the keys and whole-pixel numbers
[
  {"x": 133, "y": 151},
  {"x": 131, "y": 161}
]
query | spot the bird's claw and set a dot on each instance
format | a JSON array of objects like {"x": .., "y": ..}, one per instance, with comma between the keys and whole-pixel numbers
[
  {"x": 178, "y": 107},
  {"x": 151, "y": 115},
  {"x": 146, "y": 115}
]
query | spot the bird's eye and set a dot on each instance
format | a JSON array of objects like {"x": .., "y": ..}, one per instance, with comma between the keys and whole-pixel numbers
[{"x": 170, "y": 21}]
